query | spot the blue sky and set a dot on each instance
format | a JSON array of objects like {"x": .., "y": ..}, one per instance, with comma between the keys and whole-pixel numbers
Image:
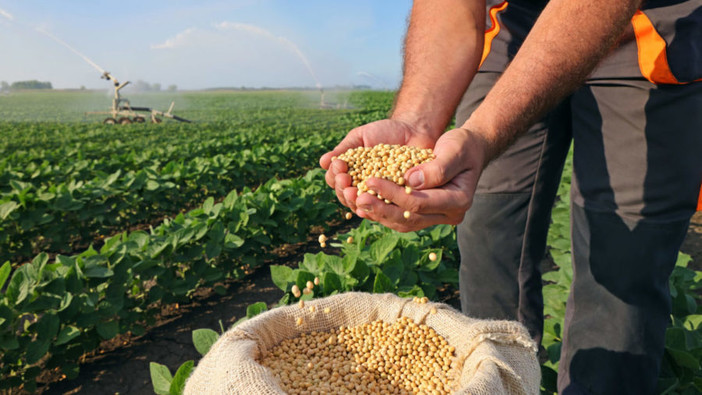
[{"x": 202, "y": 44}]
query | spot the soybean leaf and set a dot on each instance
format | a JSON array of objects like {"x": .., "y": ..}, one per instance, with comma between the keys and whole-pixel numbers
[
  {"x": 256, "y": 309},
  {"x": 303, "y": 277},
  {"x": 312, "y": 263},
  {"x": 282, "y": 276},
  {"x": 207, "y": 206},
  {"x": 549, "y": 379},
  {"x": 449, "y": 276},
  {"x": 360, "y": 271},
  {"x": 382, "y": 283},
  {"x": 161, "y": 378},
  {"x": 213, "y": 249},
  {"x": 406, "y": 292},
  {"x": 231, "y": 199},
  {"x": 394, "y": 270},
  {"x": 65, "y": 301},
  {"x": 554, "y": 352},
  {"x": 71, "y": 370},
  {"x": 232, "y": 241},
  {"x": 18, "y": 289},
  {"x": 98, "y": 271},
  {"x": 67, "y": 334},
  {"x": 333, "y": 263},
  {"x": 693, "y": 321},
  {"x": 331, "y": 282},
  {"x": 200, "y": 231},
  {"x": 683, "y": 259},
  {"x": 107, "y": 330},
  {"x": 178, "y": 383},
  {"x": 7, "y": 208},
  {"x": 429, "y": 265},
  {"x": 216, "y": 232},
  {"x": 36, "y": 350},
  {"x": 48, "y": 325},
  {"x": 9, "y": 342},
  {"x": 380, "y": 249},
  {"x": 4, "y": 274},
  {"x": 684, "y": 359},
  {"x": 203, "y": 339}
]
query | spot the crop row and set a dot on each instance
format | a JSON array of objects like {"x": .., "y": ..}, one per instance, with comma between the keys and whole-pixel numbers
[
  {"x": 52, "y": 313},
  {"x": 65, "y": 160},
  {"x": 59, "y": 217}
]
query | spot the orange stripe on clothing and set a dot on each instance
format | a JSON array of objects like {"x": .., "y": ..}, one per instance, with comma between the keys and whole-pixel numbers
[
  {"x": 699, "y": 201},
  {"x": 653, "y": 59},
  {"x": 491, "y": 33}
]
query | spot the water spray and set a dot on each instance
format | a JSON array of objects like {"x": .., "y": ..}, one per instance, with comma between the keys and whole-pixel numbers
[
  {"x": 283, "y": 41},
  {"x": 6, "y": 15},
  {"x": 372, "y": 77},
  {"x": 75, "y": 51}
]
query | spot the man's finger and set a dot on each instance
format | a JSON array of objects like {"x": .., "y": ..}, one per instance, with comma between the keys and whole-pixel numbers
[
  {"x": 352, "y": 140},
  {"x": 452, "y": 197},
  {"x": 394, "y": 217},
  {"x": 350, "y": 197},
  {"x": 337, "y": 167},
  {"x": 449, "y": 160},
  {"x": 341, "y": 182}
]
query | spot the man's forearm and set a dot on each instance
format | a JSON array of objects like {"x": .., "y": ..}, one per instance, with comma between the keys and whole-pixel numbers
[
  {"x": 566, "y": 43},
  {"x": 443, "y": 47}
]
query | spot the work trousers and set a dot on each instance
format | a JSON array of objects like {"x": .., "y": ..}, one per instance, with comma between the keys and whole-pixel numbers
[{"x": 636, "y": 178}]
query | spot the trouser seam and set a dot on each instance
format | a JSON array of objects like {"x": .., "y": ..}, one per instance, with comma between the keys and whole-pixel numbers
[{"x": 527, "y": 226}]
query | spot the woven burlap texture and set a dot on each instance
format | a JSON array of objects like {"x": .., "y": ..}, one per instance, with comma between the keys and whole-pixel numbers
[{"x": 498, "y": 357}]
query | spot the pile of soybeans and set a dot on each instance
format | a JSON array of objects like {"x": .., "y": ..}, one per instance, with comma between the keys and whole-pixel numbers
[
  {"x": 373, "y": 358},
  {"x": 386, "y": 161}
]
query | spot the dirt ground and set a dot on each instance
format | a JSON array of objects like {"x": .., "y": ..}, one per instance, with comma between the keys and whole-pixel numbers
[{"x": 124, "y": 368}]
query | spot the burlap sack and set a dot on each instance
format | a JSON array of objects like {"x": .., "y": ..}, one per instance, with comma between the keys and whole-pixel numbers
[{"x": 498, "y": 357}]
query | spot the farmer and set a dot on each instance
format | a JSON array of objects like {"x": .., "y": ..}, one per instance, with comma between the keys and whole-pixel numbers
[{"x": 614, "y": 77}]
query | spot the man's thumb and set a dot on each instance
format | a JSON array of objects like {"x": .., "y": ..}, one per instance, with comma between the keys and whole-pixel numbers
[{"x": 432, "y": 174}]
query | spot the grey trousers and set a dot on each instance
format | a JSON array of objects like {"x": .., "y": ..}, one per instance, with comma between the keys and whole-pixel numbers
[{"x": 637, "y": 175}]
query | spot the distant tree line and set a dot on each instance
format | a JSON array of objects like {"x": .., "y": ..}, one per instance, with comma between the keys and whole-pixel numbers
[
  {"x": 140, "y": 86},
  {"x": 19, "y": 85}
]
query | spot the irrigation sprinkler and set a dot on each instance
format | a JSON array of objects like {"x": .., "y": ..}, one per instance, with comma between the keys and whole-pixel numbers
[{"x": 122, "y": 112}]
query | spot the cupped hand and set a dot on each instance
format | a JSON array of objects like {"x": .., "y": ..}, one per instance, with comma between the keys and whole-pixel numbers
[
  {"x": 442, "y": 192},
  {"x": 387, "y": 131}
]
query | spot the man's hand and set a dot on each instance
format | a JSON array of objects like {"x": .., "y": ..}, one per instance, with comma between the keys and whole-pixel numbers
[
  {"x": 388, "y": 131},
  {"x": 442, "y": 189}
]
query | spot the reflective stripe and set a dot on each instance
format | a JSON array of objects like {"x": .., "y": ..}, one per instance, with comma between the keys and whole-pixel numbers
[
  {"x": 494, "y": 29},
  {"x": 653, "y": 60}
]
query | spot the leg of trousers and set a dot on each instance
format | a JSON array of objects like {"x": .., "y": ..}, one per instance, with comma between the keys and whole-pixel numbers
[
  {"x": 502, "y": 238},
  {"x": 637, "y": 173}
]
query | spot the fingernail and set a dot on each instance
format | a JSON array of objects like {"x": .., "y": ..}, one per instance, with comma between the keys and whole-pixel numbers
[
  {"x": 416, "y": 179},
  {"x": 368, "y": 209}
]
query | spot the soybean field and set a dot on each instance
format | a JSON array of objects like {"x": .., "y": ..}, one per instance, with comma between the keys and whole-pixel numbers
[{"x": 115, "y": 238}]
